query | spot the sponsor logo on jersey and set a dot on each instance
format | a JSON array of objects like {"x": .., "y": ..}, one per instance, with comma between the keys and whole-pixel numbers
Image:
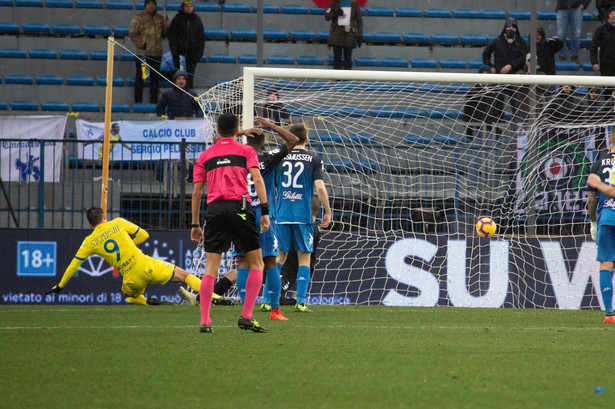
[{"x": 289, "y": 195}]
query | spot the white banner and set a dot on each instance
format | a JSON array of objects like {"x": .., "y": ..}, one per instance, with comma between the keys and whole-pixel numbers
[
  {"x": 141, "y": 140},
  {"x": 21, "y": 159}
]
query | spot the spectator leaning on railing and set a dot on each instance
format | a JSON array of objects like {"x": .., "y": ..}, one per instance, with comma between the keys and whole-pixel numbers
[{"x": 179, "y": 102}]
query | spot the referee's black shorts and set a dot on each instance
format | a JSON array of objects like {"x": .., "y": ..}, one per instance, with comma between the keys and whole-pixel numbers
[{"x": 226, "y": 222}]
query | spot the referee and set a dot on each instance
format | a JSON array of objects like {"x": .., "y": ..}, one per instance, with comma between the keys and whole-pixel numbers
[{"x": 229, "y": 216}]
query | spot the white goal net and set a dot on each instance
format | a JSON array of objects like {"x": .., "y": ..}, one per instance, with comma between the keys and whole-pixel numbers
[{"x": 413, "y": 160}]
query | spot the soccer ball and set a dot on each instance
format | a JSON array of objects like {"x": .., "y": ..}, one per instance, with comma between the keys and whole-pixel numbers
[{"x": 486, "y": 227}]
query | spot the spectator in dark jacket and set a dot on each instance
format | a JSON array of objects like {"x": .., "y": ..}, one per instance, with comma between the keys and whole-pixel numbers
[
  {"x": 570, "y": 15},
  {"x": 508, "y": 50},
  {"x": 484, "y": 105},
  {"x": 187, "y": 38},
  {"x": 546, "y": 50},
  {"x": 274, "y": 110},
  {"x": 346, "y": 31},
  {"x": 603, "y": 7},
  {"x": 564, "y": 107},
  {"x": 179, "y": 102},
  {"x": 604, "y": 39}
]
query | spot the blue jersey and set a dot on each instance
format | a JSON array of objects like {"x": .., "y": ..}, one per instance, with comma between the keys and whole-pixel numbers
[
  {"x": 604, "y": 167},
  {"x": 295, "y": 178},
  {"x": 268, "y": 162}
]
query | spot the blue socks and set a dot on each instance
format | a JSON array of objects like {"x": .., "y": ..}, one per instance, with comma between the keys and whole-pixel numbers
[
  {"x": 273, "y": 287},
  {"x": 606, "y": 287},
  {"x": 242, "y": 277},
  {"x": 303, "y": 281}
]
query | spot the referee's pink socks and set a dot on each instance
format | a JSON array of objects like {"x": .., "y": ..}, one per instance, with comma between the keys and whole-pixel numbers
[
  {"x": 207, "y": 291},
  {"x": 253, "y": 287}
]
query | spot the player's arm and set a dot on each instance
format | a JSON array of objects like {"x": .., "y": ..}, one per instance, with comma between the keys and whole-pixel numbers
[
  {"x": 323, "y": 196},
  {"x": 196, "y": 234},
  {"x": 139, "y": 235},
  {"x": 592, "y": 204},
  {"x": 594, "y": 181},
  {"x": 259, "y": 185},
  {"x": 70, "y": 271},
  {"x": 289, "y": 138}
]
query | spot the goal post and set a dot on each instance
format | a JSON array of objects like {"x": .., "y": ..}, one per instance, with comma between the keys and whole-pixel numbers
[{"x": 414, "y": 159}]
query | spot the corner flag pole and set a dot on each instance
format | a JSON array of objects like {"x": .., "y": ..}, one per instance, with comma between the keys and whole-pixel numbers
[{"x": 106, "y": 143}]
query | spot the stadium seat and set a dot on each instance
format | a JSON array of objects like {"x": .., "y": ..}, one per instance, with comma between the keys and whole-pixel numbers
[
  {"x": 243, "y": 34},
  {"x": 101, "y": 55},
  {"x": 302, "y": 35},
  {"x": 143, "y": 107},
  {"x": 310, "y": 60},
  {"x": 453, "y": 63},
  {"x": 368, "y": 62},
  {"x": 18, "y": 79},
  {"x": 444, "y": 38},
  {"x": 386, "y": 37},
  {"x": 60, "y": 4},
  {"x": 438, "y": 113},
  {"x": 368, "y": 37},
  {"x": 267, "y": 9},
  {"x": 29, "y": 3},
  {"x": 324, "y": 111},
  {"x": 423, "y": 63},
  {"x": 280, "y": 59},
  {"x": 222, "y": 58},
  {"x": 492, "y": 13},
  {"x": 416, "y": 38},
  {"x": 79, "y": 80},
  {"x": 437, "y": 12},
  {"x": 395, "y": 62},
  {"x": 6, "y": 3},
  {"x": 207, "y": 7},
  {"x": 55, "y": 106},
  {"x": 120, "y": 5},
  {"x": 318, "y": 11},
  {"x": 362, "y": 137},
  {"x": 466, "y": 13},
  {"x": 13, "y": 53},
  {"x": 274, "y": 34},
  {"x": 102, "y": 81},
  {"x": 380, "y": 11},
  {"x": 293, "y": 110},
  {"x": 248, "y": 59},
  {"x": 63, "y": 28},
  {"x": 587, "y": 66},
  {"x": 24, "y": 105},
  {"x": 588, "y": 16},
  {"x": 475, "y": 63},
  {"x": 546, "y": 15},
  {"x": 73, "y": 55},
  {"x": 323, "y": 35},
  {"x": 126, "y": 56},
  {"x": 86, "y": 106},
  {"x": 38, "y": 28},
  {"x": 473, "y": 39},
  {"x": 89, "y": 4},
  {"x": 96, "y": 29},
  {"x": 385, "y": 112},
  {"x": 295, "y": 9},
  {"x": 121, "y": 30},
  {"x": 326, "y": 136},
  {"x": 173, "y": 5},
  {"x": 520, "y": 14},
  {"x": 408, "y": 12},
  {"x": 8, "y": 27},
  {"x": 3, "y": 106},
  {"x": 353, "y": 112},
  {"x": 216, "y": 33},
  {"x": 566, "y": 66},
  {"x": 237, "y": 8},
  {"x": 118, "y": 107},
  {"x": 49, "y": 79}
]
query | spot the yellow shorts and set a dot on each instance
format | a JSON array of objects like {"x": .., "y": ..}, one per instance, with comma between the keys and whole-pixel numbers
[{"x": 153, "y": 272}]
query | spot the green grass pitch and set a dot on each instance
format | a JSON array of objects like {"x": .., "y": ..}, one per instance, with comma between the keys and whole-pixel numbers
[{"x": 337, "y": 357}]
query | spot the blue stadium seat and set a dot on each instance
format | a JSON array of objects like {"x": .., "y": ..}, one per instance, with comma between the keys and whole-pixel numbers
[
  {"x": 207, "y": 7},
  {"x": 310, "y": 60},
  {"x": 43, "y": 53},
  {"x": 437, "y": 12},
  {"x": 248, "y": 59},
  {"x": 24, "y": 105},
  {"x": 73, "y": 55},
  {"x": 362, "y": 137},
  {"x": 18, "y": 79},
  {"x": 6, "y": 3},
  {"x": 546, "y": 15},
  {"x": 96, "y": 29},
  {"x": 102, "y": 81},
  {"x": 13, "y": 53},
  {"x": 63, "y": 28},
  {"x": 143, "y": 107},
  {"x": 60, "y": 4},
  {"x": 174, "y": 5},
  {"x": 216, "y": 33},
  {"x": 520, "y": 14},
  {"x": 29, "y": 3},
  {"x": 101, "y": 55},
  {"x": 121, "y": 30},
  {"x": 492, "y": 13},
  {"x": 475, "y": 63},
  {"x": 49, "y": 79},
  {"x": 473, "y": 39},
  {"x": 416, "y": 38},
  {"x": 8, "y": 27},
  {"x": 367, "y": 36},
  {"x": 237, "y": 8},
  {"x": 385, "y": 112},
  {"x": 395, "y": 62},
  {"x": 368, "y": 62},
  {"x": 588, "y": 16},
  {"x": 79, "y": 80},
  {"x": 437, "y": 113},
  {"x": 323, "y": 35},
  {"x": 380, "y": 11},
  {"x": 280, "y": 59},
  {"x": 302, "y": 35},
  {"x": 295, "y": 9},
  {"x": 566, "y": 66},
  {"x": 55, "y": 106},
  {"x": 408, "y": 12},
  {"x": 39, "y": 28},
  {"x": 267, "y": 9},
  {"x": 118, "y": 107},
  {"x": 120, "y": 5},
  {"x": 386, "y": 37},
  {"x": 86, "y": 106},
  {"x": 444, "y": 38},
  {"x": 453, "y": 63},
  {"x": 324, "y": 111},
  {"x": 126, "y": 56},
  {"x": 222, "y": 58},
  {"x": 443, "y": 139},
  {"x": 466, "y": 13},
  {"x": 423, "y": 63},
  {"x": 3, "y": 106},
  {"x": 326, "y": 136},
  {"x": 584, "y": 41},
  {"x": 318, "y": 11},
  {"x": 293, "y": 110},
  {"x": 274, "y": 34},
  {"x": 243, "y": 34},
  {"x": 354, "y": 112},
  {"x": 587, "y": 66},
  {"x": 90, "y": 4}
]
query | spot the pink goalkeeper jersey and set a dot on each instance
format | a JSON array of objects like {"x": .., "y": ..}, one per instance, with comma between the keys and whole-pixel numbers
[{"x": 224, "y": 166}]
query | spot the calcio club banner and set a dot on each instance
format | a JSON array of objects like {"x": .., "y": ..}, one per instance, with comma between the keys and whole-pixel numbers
[
  {"x": 144, "y": 140},
  {"x": 422, "y": 270}
]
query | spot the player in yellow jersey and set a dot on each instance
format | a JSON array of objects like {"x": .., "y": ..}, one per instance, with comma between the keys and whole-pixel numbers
[{"x": 116, "y": 241}]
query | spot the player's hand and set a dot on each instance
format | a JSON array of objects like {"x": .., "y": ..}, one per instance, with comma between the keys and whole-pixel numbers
[
  {"x": 593, "y": 180},
  {"x": 252, "y": 132},
  {"x": 196, "y": 234},
  {"x": 55, "y": 289},
  {"x": 325, "y": 221},
  {"x": 594, "y": 230},
  {"x": 264, "y": 122},
  {"x": 264, "y": 223}
]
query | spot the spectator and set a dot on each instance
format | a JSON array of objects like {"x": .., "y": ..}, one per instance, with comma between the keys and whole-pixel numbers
[
  {"x": 545, "y": 50},
  {"x": 187, "y": 38},
  {"x": 179, "y": 102},
  {"x": 484, "y": 105},
  {"x": 147, "y": 29},
  {"x": 346, "y": 31},
  {"x": 603, "y": 7},
  {"x": 570, "y": 17},
  {"x": 604, "y": 39},
  {"x": 274, "y": 110},
  {"x": 508, "y": 50},
  {"x": 565, "y": 107}
]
